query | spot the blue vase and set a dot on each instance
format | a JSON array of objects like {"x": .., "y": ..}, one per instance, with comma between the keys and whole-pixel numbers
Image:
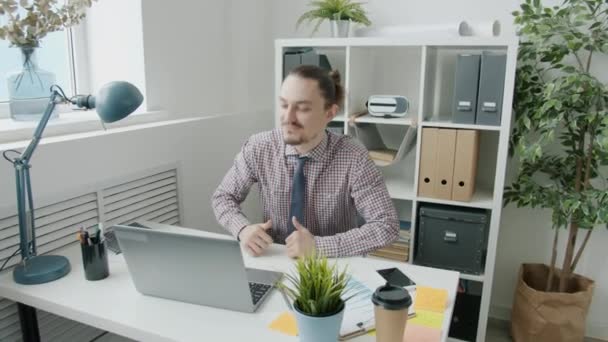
[
  {"x": 319, "y": 329},
  {"x": 29, "y": 88}
]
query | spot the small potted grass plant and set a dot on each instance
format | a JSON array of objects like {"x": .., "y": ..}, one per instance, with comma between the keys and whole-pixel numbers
[
  {"x": 340, "y": 14},
  {"x": 316, "y": 290}
]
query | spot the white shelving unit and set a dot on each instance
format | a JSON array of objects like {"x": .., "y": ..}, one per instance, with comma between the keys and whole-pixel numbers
[
  {"x": 405, "y": 121},
  {"x": 449, "y": 124},
  {"x": 421, "y": 67}
]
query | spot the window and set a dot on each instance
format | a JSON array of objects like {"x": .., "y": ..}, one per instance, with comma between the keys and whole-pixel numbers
[{"x": 54, "y": 55}]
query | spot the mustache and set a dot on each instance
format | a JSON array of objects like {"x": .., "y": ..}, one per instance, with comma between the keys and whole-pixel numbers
[{"x": 296, "y": 124}]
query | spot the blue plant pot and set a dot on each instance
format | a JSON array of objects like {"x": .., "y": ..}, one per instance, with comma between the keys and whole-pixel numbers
[{"x": 319, "y": 329}]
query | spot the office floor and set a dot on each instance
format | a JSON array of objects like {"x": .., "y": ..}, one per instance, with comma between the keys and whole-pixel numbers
[{"x": 498, "y": 331}]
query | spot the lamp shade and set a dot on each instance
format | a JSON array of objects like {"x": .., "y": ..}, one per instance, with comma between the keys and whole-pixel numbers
[{"x": 115, "y": 101}]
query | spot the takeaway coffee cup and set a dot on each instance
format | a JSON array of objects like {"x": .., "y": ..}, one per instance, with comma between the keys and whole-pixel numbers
[{"x": 391, "y": 304}]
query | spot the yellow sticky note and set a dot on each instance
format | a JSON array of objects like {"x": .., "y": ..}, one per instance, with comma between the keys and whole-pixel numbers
[
  {"x": 431, "y": 299},
  {"x": 285, "y": 323},
  {"x": 426, "y": 318}
]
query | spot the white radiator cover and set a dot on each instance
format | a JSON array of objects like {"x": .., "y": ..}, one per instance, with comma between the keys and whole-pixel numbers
[{"x": 151, "y": 195}]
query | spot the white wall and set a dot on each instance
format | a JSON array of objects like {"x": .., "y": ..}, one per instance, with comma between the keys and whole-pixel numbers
[
  {"x": 251, "y": 46},
  {"x": 185, "y": 51},
  {"x": 525, "y": 235},
  {"x": 60, "y": 165},
  {"x": 113, "y": 34},
  {"x": 214, "y": 57},
  {"x": 398, "y": 12}
]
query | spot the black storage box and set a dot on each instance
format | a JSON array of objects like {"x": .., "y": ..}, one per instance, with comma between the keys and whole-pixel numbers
[{"x": 452, "y": 238}]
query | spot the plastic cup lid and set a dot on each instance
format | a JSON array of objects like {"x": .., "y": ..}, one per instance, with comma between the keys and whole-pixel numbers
[{"x": 392, "y": 297}]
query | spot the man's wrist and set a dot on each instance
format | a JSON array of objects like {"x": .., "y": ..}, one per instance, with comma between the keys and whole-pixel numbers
[
  {"x": 236, "y": 225},
  {"x": 238, "y": 233}
]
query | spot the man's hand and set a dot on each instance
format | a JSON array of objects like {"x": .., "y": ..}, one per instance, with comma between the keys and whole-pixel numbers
[
  {"x": 301, "y": 242},
  {"x": 255, "y": 238}
]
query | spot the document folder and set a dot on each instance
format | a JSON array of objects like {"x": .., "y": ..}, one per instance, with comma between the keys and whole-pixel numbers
[
  {"x": 428, "y": 158},
  {"x": 444, "y": 170},
  {"x": 491, "y": 88},
  {"x": 466, "y": 81},
  {"x": 465, "y": 165}
]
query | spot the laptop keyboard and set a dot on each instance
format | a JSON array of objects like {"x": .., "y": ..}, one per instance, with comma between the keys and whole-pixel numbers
[
  {"x": 257, "y": 291},
  {"x": 111, "y": 241}
]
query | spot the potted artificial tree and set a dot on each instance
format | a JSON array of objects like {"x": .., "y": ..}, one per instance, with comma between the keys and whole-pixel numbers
[
  {"x": 339, "y": 13},
  {"x": 317, "y": 292},
  {"x": 560, "y": 137}
]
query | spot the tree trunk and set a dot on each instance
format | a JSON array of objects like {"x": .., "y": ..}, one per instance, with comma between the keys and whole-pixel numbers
[
  {"x": 580, "y": 250},
  {"x": 552, "y": 265},
  {"x": 571, "y": 242}
]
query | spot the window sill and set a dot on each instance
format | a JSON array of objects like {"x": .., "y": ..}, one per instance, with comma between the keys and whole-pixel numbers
[{"x": 69, "y": 123}]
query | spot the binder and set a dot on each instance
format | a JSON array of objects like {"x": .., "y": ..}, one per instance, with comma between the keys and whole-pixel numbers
[
  {"x": 465, "y": 165},
  {"x": 428, "y": 158},
  {"x": 491, "y": 88},
  {"x": 444, "y": 170},
  {"x": 466, "y": 81}
]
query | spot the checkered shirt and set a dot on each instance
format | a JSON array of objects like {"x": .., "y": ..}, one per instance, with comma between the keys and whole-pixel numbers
[{"x": 341, "y": 181}]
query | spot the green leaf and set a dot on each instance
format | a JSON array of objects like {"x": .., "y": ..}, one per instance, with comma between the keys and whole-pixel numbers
[{"x": 317, "y": 288}]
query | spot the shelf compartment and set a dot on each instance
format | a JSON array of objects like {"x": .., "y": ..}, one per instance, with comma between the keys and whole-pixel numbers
[
  {"x": 450, "y": 124},
  {"x": 399, "y": 188},
  {"x": 367, "y": 118},
  {"x": 383, "y": 71},
  {"x": 439, "y": 80},
  {"x": 485, "y": 175},
  {"x": 339, "y": 118},
  {"x": 482, "y": 199},
  {"x": 479, "y": 278}
]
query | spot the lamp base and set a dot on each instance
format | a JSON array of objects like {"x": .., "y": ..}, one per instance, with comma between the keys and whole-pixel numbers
[{"x": 41, "y": 269}]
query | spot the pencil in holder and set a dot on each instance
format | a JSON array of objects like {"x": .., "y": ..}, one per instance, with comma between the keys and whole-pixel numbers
[{"x": 95, "y": 261}]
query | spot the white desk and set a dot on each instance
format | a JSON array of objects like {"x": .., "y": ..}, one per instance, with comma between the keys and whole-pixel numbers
[{"x": 113, "y": 304}]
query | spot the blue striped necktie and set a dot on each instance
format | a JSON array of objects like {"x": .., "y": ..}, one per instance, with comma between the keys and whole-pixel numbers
[{"x": 298, "y": 195}]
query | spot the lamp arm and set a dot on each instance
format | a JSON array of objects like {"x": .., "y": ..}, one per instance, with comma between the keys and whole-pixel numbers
[
  {"x": 56, "y": 97},
  {"x": 25, "y": 203}
]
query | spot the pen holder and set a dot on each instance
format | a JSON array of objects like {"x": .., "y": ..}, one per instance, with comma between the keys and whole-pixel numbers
[{"x": 95, "y": 261}]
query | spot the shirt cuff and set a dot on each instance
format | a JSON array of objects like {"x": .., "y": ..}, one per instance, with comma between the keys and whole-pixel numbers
[
  {"x": 237, "y": 224},
  {"x": 325, "y": 246}
]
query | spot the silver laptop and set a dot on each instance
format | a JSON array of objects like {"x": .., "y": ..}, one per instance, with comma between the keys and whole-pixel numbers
[{"x": 192, "y": 266}]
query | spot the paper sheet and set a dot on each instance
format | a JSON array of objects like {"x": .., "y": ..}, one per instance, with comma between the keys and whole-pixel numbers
[
  {"x": 419, "y": 333},
  {"x": 431, "y": 299},
  {"x": 285, "y": 323},
  {"x": 427, "y": 318},
  {"x": 359, "y": 310}
]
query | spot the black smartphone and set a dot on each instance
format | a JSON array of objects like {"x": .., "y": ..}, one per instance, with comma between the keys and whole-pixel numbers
[{"x": 395, "y": 277}]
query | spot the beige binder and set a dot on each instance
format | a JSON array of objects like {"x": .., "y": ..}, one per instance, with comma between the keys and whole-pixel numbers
[
  {"x": 444, "y": 170},
  {"x": 465, "y": 165},
  {"x": 428, "y": 158}
]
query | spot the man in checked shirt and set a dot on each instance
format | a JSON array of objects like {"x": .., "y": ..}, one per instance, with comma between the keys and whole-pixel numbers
[{"x": 316, "y": 212}]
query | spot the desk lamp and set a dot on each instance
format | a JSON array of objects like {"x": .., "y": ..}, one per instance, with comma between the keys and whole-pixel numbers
[{"x": 114, "y": 101}]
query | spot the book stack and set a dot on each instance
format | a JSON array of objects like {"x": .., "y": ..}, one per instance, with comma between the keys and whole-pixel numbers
[
  {"x": 400, "y": 249},
  {"x": 382, "y": 157}
]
